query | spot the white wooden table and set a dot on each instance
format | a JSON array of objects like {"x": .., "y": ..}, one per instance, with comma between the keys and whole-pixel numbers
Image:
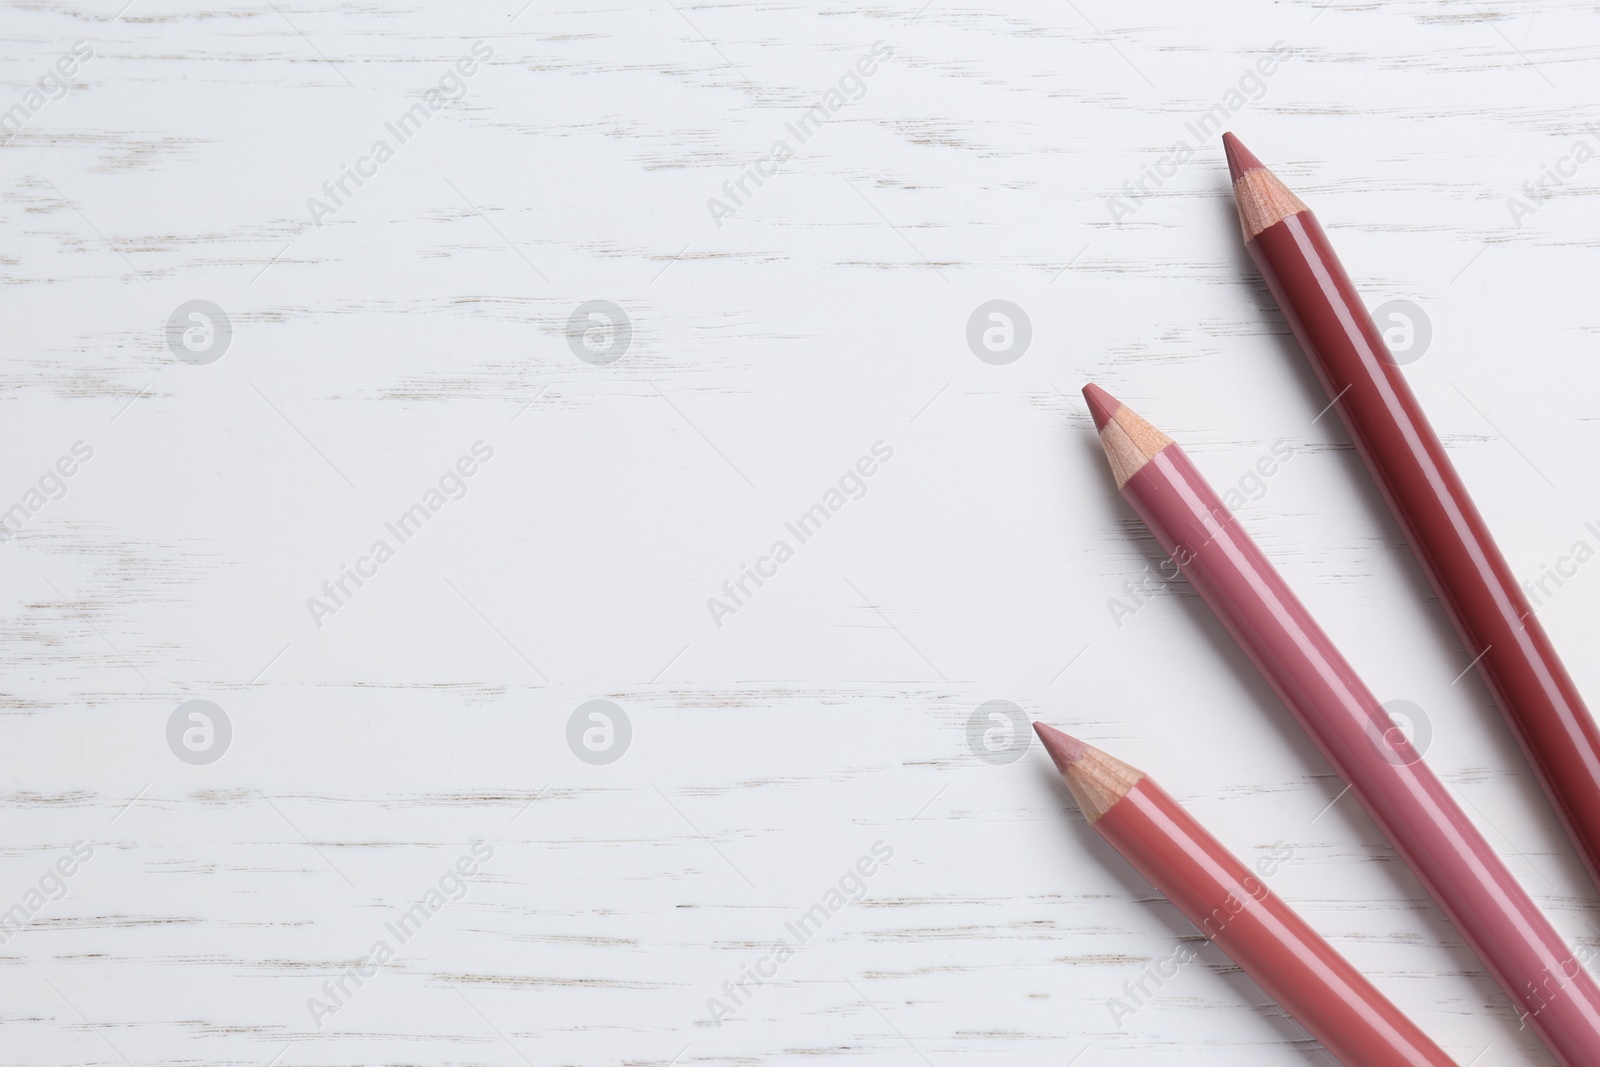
[{"x": 788, "y": 215}]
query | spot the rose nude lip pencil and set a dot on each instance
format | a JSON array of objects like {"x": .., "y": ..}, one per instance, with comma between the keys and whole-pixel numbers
[
  {"x": 1552, "y": 991},
  {"x": 1294, "y": 966},
  {"x": 1518, "y": 663}
]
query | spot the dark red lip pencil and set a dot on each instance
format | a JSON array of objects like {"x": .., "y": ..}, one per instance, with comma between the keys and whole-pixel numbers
[{"x": 1451, "y": 541}]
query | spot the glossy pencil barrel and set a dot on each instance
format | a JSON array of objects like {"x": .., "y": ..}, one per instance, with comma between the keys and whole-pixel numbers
[
  {"x": 1270, "y": 943},
  {"x": 1490, "y": 612},
  {"x": 1496, "y": 917}
]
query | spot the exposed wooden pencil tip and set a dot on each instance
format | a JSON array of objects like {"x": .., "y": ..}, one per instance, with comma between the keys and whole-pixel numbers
[
  {"x": 1095, "y": 780},
  {"x": 1102, "y": 405},
  {"x": 1240, "y": 158},
  {"x": 1064, "y": 749},
  {"x": 1129, "y": 441},
  {"x": 1263, "y": 200}
]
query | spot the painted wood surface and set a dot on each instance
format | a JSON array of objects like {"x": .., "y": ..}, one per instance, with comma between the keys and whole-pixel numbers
[{"x": 580, "y": 313}]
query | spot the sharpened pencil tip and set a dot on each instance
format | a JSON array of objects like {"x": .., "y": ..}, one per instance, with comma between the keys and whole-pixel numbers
[
  {"x": 1129, "y": 441},
  {"x": 1263, "y": 199},
  {"x": 1240, "y": 159},
  {"x": 1064, "y": 749},
  {"x": 1102, "y": 405}
]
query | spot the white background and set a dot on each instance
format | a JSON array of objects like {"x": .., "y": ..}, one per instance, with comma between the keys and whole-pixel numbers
[{"x": 768, "y": 354}]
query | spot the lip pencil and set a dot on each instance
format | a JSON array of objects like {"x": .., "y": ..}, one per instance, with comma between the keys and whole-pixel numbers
[
  {"x": 1294, "y": 966},
  {"x": 1552, "y": 991},
  {"x": 1514, "y": 656}
]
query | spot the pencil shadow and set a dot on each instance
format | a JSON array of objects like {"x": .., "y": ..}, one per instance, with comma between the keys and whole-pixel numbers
[{"x": 1207, "y": 955}]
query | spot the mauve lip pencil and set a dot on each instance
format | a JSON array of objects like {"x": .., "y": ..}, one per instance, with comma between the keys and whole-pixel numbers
[
  {"x": 1280, "y": 952},
  {"x": 1515, "y": 657},
  {"x": 1530, "y": 960}
]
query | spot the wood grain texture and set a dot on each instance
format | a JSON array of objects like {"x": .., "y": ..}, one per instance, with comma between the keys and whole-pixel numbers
[{"x": 1064, "y": 158}]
